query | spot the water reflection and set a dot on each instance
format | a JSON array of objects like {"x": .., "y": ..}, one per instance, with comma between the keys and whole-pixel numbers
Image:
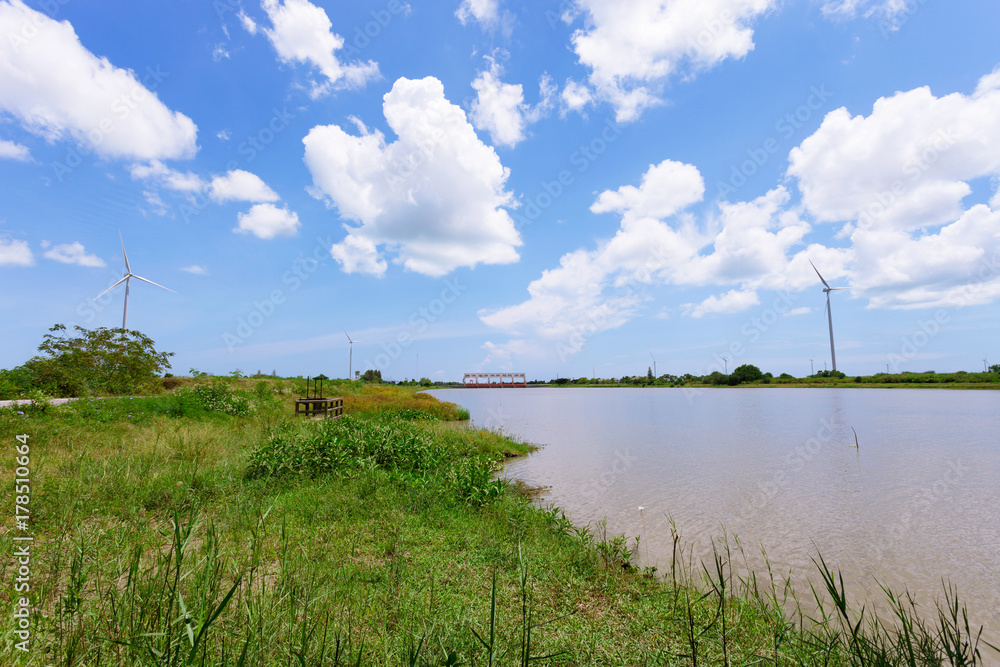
[{"x": 918, "y": 500}]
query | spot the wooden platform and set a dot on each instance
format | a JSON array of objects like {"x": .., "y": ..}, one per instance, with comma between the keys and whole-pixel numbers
[{"x": 322, "y": 407}]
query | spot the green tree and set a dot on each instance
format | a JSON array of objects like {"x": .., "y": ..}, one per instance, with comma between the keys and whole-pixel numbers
[
  {"x": 649, "y": 374},
  {"x": 372, "y": 376},
  {"x": 747, "y": 373},
  {"x": 95, "y": 362}
]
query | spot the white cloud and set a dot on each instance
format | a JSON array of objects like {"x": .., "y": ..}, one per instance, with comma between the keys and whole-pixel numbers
[
  {"x": 487, "y": 14},
  {"x": 357, "y": 254},
  {"x": 195, "y": 269},
  {"x": 58, "y": 89},
  {"x": 733, "y": 301},
  {"x": 220, "y": 53},
  {"x": 267, "y": 221},
  {"x": 633, "y": 47},
  {"x": 597, "y": 290},
  {"x": 239, "y": 185},
  {"x": 888, "y": 10},
  {"x": 12, "y": 151},
  {"x": 434, "y": 197},
  {"x": 897, "y": 180},
  {"x": 73, "y": 253},
  {"x": 747, "y": 244},
  {"x": 162, "y": 175},
  {"x": 905, "y": 166},
  {"x": 224, "y": 135},
  {"x": 575, "y": 96},
  {"x": 15, "y": 253},
  {"x": 302, "y": 32},
  {"x": 499, "y": 107},
  {"x": 248, "y": 23}
]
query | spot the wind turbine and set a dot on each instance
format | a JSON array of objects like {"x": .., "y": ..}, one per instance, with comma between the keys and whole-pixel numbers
[
  {"x": 654, "y": 366},
  {"x": 829, "y": 313},
  {"x": 350, "y": 367},
  {"x": 128, "y": 276}
]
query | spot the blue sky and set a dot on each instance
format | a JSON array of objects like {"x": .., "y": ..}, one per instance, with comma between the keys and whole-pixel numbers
[{"x": 560, "y": 189}]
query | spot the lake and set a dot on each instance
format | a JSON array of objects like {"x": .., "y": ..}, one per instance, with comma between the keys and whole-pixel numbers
[{"x": 917, "y": 501}]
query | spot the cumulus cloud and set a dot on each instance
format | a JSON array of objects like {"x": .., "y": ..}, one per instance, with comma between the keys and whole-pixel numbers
[
  {"x": 596, "y": 290},
  {"x": 58, "y": 89},
  {"x": 435, "y": 197},
  {"x": 73, "y": 253},
  {"x": 302, "y": 32},
  {"x": 896, "y": 182},
  {"x": 12, "y": 151},
  {"x": 15, "y": 253},
  {"x": 907, "y": 164},
  {"x": 892, "y": 183},
  {"x": 575, "y": 96},
  {"x": 500, "y": 109},
  {"x": 267, "y": 221},
  {"x": 633, "y": 47},
  {"x": 239, "y": 185},
  {"x": 749, "y": 244},
  {"x": 733, "y": 301}
]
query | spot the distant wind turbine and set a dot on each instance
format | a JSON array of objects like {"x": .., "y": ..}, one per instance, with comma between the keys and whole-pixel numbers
[
  {"x": 128, "y": 276},
  {"x": 829, "y": 313},
  {"x": 654, "y": 366},
  {"x": 350, "y": 367}
]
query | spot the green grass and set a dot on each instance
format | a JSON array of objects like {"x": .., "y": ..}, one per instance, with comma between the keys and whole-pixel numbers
[{"x": 212, "y": 528}]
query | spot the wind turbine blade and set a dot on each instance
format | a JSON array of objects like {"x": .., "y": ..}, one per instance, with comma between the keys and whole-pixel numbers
[
  {"x": 834, "y": 289},
  {"x": 152, "y": 283},
  {"x": 819, "y": 274},
  {"x": 111, "y": 288},
  {"x": 124, "y": 254},
  {"x": 348, "y": 336}
]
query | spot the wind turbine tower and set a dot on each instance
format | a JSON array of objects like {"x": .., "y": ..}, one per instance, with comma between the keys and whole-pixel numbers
[
  {"x": 350, "y": 356},
  {"x": 128, "y": 276},
  {"x": 654, "y": 366},
  {"x": 829, "y": 313}
]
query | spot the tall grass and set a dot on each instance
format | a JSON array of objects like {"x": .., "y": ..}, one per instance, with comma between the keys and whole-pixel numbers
[{"x": 192, "y": 536}]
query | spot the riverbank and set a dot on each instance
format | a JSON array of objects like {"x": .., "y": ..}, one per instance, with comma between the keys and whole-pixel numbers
[{"x": 209, "y": 525}]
